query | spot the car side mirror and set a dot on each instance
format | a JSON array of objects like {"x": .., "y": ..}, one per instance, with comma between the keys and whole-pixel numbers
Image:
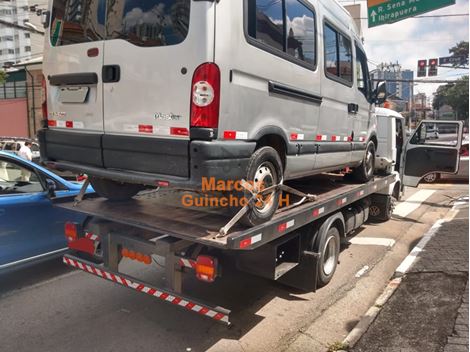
[
  {"x": 51, "y": 188},
  {"x": 380, "y": 94}
]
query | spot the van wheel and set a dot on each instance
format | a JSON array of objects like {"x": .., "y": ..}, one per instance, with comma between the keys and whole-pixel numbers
[
  {"x": 113, "y": 190},
  {"x": 365, "y": 171},
  {"x": 328, "y": 248},
  {"x": 264, "y": 170}
]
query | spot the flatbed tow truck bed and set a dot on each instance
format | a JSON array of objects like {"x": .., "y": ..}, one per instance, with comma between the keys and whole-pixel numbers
[
  {"x": 291, "y": 248},
  {"x": 162, "y": 212}
]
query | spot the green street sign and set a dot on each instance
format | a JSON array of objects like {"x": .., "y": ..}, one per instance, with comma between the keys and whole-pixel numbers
[{"x": 383, "y": 12}]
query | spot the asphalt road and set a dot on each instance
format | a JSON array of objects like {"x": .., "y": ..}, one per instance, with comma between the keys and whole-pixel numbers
[{"x": 50, "y": 308}]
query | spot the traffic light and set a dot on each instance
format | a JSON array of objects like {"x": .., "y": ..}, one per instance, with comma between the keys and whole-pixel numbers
[
  {"x": 422, "y": 68},
  {"x": 433, "y": 67}
]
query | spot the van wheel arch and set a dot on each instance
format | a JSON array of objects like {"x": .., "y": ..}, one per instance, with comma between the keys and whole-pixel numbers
[
  {"x": 275, "y": 141},
  {"x": 374, "y": 140}
]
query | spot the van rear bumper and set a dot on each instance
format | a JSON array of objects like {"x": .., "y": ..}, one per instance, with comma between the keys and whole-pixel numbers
[{"x": 181, "y": 163}]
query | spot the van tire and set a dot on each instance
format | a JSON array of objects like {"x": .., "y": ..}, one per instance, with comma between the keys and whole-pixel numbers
[
  {"x": 264, "y": 160},
  {"x": 365, "y": 172},
  {"x": 113, "y": 190}
]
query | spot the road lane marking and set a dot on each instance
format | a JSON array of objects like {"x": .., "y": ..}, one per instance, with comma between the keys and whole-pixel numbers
[
  {"x": 361, "y": 272},
  {"x": 372, "y": 241},
  {"x": 412, "y": 203}
]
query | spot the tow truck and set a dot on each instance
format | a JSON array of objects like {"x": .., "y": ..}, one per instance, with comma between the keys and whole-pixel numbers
[{"x": 299, "y": 247}]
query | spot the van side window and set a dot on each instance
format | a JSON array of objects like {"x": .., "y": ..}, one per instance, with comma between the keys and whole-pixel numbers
[
  {"x": 338, "y": 55},
  {"x": 300, "y": 27},
  {"x": 362, "y": 72},
  {"x": 284, "y": 25},
  {"x": 266, "y": 23}
]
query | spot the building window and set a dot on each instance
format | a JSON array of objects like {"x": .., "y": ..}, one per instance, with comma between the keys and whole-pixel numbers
[
  {"x": 338, "y": 55},
  {"x": 11, "y": 51},
  {"x": 27, "y": 49},
  {"x": 27, "y": 35}
]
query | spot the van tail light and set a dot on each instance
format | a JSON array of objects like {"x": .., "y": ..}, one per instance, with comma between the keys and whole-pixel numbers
[
  {"x": 44, "y": 98},
  {"x": 71, "y": 231},
  {"x": 205, "y": 96},
  {"x": 206, "y": 268}
]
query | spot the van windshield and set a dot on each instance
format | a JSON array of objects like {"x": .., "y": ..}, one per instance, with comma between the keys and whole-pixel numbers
[{"x": 140, "y": 22}]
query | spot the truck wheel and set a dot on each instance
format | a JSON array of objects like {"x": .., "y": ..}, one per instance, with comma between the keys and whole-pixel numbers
[
  {"x": 382, "y": 207},
  {"x": 113, "y": 190},
  {"x": 365, "y": 171},
  {"x": 431, "y": 178},
  {"x": 328, "y": 248},
  {"x": 264, "y": 170}
]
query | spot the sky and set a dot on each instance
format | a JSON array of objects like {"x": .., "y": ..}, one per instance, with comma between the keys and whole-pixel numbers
[{"x": 413, "y": 39}]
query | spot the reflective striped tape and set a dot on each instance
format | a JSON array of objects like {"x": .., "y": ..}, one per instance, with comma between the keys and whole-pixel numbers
[
  {"x": 342, "y": 201},
  {"x": 287, "y": 225},
  {"x": 322, "y": 137},
  {"x": 157, "y": 130},
  {"x": 318, "y": 211},
  {"x": 165, "y": 296},
  {"x": 91, "y": 236},
  {"x": 251, "y": 240},
  {"x": 297, "y": 137},
  {"x": 65, "y": 124},
  {"x": 235, "y": 135},
  {"x": 187, "y": 263}
]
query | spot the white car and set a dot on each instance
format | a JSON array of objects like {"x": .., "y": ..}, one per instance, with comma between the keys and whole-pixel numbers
[
  {"x": 14, "y": 145},
  {"x": 463, "y": 168}
]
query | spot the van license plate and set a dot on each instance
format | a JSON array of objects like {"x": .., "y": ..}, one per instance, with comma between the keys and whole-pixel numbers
[{"x": 73, "y": 94}]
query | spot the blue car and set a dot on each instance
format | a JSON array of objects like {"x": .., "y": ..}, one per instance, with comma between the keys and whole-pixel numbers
[{"x": 31, "y": 228}]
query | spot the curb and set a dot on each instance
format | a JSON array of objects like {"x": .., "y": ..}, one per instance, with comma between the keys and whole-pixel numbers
[{"x": 363, "y": 325}]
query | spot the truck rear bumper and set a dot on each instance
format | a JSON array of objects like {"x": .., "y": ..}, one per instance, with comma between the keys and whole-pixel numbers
[
  {"x": 216, "y": 313},
  {"x": 181, "y": 163}
]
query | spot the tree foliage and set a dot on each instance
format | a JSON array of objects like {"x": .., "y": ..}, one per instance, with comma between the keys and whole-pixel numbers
[
  {"x": 3, "y": 77},
  {"x": 460, "y": 50},
  {"x": 454, "y": 95}
]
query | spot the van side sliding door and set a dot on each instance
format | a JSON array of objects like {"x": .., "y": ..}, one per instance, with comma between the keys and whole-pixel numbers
[{"x": 433, "y": 148}]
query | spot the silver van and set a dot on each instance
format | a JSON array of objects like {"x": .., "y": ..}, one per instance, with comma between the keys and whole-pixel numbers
[{"x": 169, "y": 92}]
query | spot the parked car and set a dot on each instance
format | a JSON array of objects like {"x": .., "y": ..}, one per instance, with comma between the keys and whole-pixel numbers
[
  {"x": 31, "y": 228},
  {"x": 463, "y": 168},
  {"x": 15, "y": 144},
  {"x": 263, "y": 100}
]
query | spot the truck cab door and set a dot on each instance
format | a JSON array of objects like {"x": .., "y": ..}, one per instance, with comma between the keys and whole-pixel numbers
[{"x": 433, "y": 148}]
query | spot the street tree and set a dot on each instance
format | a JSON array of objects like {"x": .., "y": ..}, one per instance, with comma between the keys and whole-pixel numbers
[
  {"x": 3, "y": 77},
  {"x": 460, "y": 50},
  {"x": 454, "y": 95}
]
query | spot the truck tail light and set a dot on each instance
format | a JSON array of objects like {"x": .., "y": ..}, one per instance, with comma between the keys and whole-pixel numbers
[
  {"x": 206, "y": 268},
  {"x": 71, "y": 231},
  {"x": 205, "y": 96},
  {"x": 44, "y": 98}
]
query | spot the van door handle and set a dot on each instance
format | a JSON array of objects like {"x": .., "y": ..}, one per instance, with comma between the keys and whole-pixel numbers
[
  {"x": 111, "y": 73},
  {"x": 353, "y": 108}
]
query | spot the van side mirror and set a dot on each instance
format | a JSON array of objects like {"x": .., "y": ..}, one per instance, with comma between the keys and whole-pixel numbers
[{"x": 380, "y": 93}]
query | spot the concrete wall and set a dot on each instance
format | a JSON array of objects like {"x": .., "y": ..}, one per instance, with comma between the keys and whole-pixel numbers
[{"x": 14, "y": 117}]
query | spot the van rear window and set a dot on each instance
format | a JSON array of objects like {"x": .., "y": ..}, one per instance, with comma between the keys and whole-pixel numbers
[{"x": 140, "y": 22}]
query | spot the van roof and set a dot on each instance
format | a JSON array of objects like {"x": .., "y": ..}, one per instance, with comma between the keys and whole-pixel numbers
[{"x": 340, "y": 14}]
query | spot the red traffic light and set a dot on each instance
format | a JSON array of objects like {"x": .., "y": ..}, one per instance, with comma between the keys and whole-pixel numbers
[
  {"x": 422, "y": 63},
  {"x": 433, "y": 62}
]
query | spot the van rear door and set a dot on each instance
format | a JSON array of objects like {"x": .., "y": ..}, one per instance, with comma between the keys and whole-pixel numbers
[
  {"x": 153, "y": 48},
  {"x": 433, "y": 148},
  {"x": 73, "y": 60}
]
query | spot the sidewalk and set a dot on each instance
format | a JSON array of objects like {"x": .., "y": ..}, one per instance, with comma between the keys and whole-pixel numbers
[{"x": 428, "y": 312}]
